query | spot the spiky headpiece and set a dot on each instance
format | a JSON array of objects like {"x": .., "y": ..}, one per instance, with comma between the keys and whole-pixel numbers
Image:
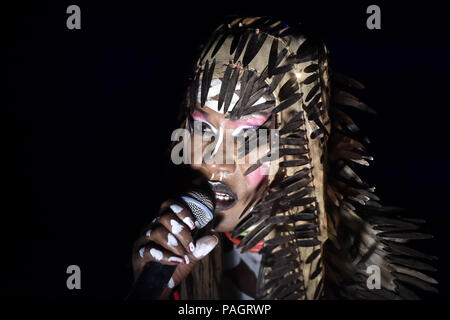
[{"x": 322, "y": 225}]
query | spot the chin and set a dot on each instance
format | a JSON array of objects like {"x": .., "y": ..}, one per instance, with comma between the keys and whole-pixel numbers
[
  {"x": 226, "y": 224},
  {"x": 229, "y": 219}
]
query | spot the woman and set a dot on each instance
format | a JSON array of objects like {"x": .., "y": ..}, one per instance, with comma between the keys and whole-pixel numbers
[{"x": 308, "y": 227}]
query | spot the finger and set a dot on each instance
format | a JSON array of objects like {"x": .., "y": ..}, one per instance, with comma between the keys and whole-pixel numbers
[
  {"x": 178, "y": 229},
  {"x": 204, "y": 246},
  {"x": 156, "y": 253},
  {"x": 166, "y": 239},
  {"x": 182, "y": 213}
]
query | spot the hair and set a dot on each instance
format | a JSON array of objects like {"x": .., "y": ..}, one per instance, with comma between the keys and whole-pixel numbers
[{"x": 204, "y": 281}]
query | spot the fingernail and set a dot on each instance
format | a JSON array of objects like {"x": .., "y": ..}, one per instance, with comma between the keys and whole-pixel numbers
[
  {"x": 205, "y": 245},
  {"x": 176, "y": 227},
  {"x": 189, "y": 222},
  {"x": 147, "y": 234},
  {"x": 141, "y": 252},
  {"x": 176, "y": 208},
  {"x": 156, "y": 254},
  {"x": 186, "y": 259},
  {"x": 171, "y": 284},
  {"x": 192, "y": 247},
  {"x": 176, "y": 260},
  {"x": 171, "y": 240}
]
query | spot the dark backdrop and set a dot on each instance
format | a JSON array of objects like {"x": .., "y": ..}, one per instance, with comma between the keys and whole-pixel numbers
[{"x": 91, "y": 112}]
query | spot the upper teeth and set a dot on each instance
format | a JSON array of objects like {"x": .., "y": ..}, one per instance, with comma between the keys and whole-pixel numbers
[{"x": 222, "y": 196}]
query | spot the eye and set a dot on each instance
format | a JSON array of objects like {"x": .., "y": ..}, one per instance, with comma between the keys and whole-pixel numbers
[
  {"x": 203, "y": 128},
  {"x": 242, "y": 131},
  {"x": 206, "y": 128}
]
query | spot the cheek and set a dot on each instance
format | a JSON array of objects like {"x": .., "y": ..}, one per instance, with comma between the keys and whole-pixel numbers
[{"x": 254, "y": 178}]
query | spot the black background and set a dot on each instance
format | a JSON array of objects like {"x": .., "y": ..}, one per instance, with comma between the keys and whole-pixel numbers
[{"x": 90, "y": 113}]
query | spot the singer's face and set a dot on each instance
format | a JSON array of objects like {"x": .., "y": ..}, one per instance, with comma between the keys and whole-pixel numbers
[{"x": 223, "y": 167}]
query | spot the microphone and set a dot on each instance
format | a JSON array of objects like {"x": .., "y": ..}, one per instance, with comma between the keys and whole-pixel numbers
[{"x": 155, "y": 276}]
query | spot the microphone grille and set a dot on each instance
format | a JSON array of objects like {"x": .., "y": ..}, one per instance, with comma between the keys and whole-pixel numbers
[{"x": 201, "y": 205}]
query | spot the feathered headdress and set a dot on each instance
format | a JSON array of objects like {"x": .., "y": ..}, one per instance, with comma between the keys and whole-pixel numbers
[{"x": 322, "y": 225}]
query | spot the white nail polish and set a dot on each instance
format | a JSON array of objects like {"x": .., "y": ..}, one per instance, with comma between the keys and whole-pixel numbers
[
  {"x": 175, "y": 259},
  {"x": 189, "y": 222},
  {"x": 171, "y": 284},
  {"x": 141, "y": 252},
  {"x": 191, "y": 247},
  {"x": 186, "y": 259},
  {"x": 176, "y": 208},
  {"x": 204, "y": 246},
  {"x": 176, "y": 227},
  {"x": 158, "y": 255},
  {"x": 147, "y": 234},
  {"x": 171, "y": 240}
]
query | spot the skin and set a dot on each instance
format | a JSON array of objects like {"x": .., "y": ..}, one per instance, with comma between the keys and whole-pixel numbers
[
  {"x": 233, "y": 173},
  {"x": 230, "y": 174}
]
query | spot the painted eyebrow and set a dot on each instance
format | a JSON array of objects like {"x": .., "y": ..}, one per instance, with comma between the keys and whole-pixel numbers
[
  {"x": 214, "y": 129},
  {"x": 243, "y": 118},
  {"x": 203, "y": 112}
]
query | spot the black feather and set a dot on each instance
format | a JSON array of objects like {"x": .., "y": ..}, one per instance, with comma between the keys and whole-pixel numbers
[
  {"x": 311, "y": 68},
  {"x": 259, "y": 107},
  {"x": 235, "y": 42},
  {"x": 204, "y": 85},
  {"x": 275, "y": 81},
  {"x": 250, "y": 46},
  {"x": 415, "y": 282},
  {"x": 279, "y": 240},
  {"x": 231, "y": 88},
  {"x": 253, "y": 49},
  {"x": 307, "y": 234},
  {"x": 307, "y": 50},
  {"x": 411, "y": 263},
  {"x": 194, "y": 90},
  {"x": 288, "y": 102},
  {"x": 241, "y": 45},
  {"x": 245, "y": 224},
  {"x": 313, "y": 256},
  {"x": 318, "y": 289},
  {"x": 405, "y": 235},
  {"x": 272, "y": 57},
  {"x": 283, "y": 69},
  {"x": 254, "y": 238},
  {"x": 316, "y": 272},
  {"x": 307, "y": 243},
  {"x": 306, "y": 226},
  {"x": 302, "y": 202},
  {"x": 310, "y": 79},
  {"x": 289, "y": 128},
  {"x": 287, "y": 89},
  {"x": 292, "y": 151},
  {"x": 403, "y": 250},
  {"x": 312, "y": 92},
  {"x": 299, "y": 195},
  {"x": 295, "y": 163},
  {"x": 223, "y": 88},
  {"x": 219, "y": 44}
]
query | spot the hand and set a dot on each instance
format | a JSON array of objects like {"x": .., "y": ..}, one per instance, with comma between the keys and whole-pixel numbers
[{"x": 168, "y": 240}]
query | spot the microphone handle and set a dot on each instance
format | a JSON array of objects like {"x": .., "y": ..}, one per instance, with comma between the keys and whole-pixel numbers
[
  {"x": 152, "y": 281},
  {"x": 154, "y": 278}
]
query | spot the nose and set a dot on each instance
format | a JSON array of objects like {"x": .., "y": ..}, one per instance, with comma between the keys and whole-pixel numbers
[
  {"x": 220, "y": 164},
  {"x": 219, "y": 172}
]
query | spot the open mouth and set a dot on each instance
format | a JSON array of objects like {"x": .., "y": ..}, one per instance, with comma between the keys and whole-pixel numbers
[{"x": 224, "y": 196}]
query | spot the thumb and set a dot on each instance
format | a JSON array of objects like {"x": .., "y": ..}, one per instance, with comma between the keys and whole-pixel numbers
[{"x": 204, "y": 246}]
